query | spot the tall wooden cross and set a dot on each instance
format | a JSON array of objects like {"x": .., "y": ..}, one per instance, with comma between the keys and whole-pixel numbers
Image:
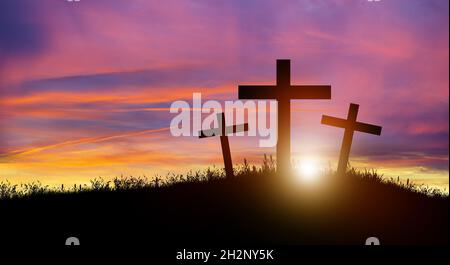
[
  {"x": 223, "y": 131},
  {"x": 350, "y": 125},
  {"x": 283, "y": 92}
]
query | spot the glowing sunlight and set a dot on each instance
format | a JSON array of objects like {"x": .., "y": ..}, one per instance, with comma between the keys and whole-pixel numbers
[{"x": 308, "y": 170}]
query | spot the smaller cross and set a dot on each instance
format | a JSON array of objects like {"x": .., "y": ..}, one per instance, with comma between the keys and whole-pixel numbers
[
  {"x": 223, "y": 132},
  {"x": 350, "y": 125}
]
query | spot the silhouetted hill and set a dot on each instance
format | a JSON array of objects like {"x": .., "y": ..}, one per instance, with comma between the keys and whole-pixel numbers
[{"x": 255, "y": 207}]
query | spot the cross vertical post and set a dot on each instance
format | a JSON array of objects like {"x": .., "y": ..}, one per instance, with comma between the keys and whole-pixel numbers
[
  {"x": 226, "y": 153},
  {"x": 284, "y": 117},
  {"x": 347, "y": 139}
]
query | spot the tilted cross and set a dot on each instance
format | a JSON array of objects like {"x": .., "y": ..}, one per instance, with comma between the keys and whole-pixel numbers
[
  {"x": 350, "y": 125},
  {"x": 283, "y": 92},
  {"x": 223, "y": 131}
]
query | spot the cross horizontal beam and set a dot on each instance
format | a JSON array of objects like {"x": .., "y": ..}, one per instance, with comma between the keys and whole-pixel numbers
[
  {"x": 333, "y": 121},
  {"x": 292, "y": 92},
  {"x": 356, "y": 126},
  {"x": 368, "y": 128},
  {"x": 228, "y": 130}
]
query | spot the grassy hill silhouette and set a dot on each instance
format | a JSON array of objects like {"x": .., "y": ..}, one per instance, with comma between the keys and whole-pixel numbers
[{"x": 205, "y": 208}]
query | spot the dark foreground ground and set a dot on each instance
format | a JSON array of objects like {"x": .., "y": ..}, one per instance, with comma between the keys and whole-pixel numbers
[{"x": 251, "y": 210}]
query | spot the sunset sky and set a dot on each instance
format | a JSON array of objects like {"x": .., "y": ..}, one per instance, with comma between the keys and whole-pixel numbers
[{"x": 85, "y": 87}]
